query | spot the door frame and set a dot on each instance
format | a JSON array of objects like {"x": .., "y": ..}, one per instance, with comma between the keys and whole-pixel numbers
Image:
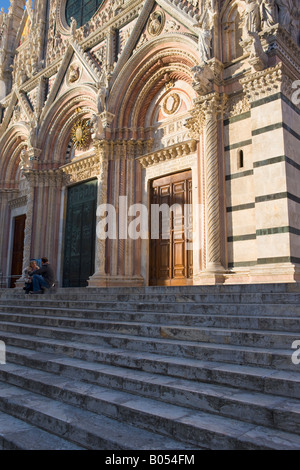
[
  {"x": 150, "y": 173},
  {"x": 63, "y": 221},
  {"x": 16, "y": 212},
  {"x": 169, "y": 181}
]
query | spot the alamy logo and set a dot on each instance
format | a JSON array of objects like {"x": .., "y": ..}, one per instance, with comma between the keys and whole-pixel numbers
[
  {"x": 296, "y": 94},
  {"x": 296, "y": 354},
  {"x": 138, "y": 222},
  {"x": 2, "y": 353}
]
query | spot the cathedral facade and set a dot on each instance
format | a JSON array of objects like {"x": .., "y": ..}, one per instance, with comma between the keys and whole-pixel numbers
[{"x": 118, "y": 116}]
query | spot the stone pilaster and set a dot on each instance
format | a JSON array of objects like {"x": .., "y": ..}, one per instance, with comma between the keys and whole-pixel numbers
[
  {"x": 275, "y": 142},
  {"x": 29, "y": 220}
]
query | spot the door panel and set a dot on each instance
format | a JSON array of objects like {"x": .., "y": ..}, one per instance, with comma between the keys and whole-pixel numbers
[
  {"x": 80, "y": 233},
  {"x": 170, "y": 261}
]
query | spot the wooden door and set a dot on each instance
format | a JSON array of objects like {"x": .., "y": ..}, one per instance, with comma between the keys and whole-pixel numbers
[
  {"x": 18, "y": 248},
  {"x": 171, "y": 263},
  {"x": 80, "y": 234}
]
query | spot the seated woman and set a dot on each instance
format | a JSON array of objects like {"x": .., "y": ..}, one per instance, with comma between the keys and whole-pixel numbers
[{"x": 33, "y": 266}]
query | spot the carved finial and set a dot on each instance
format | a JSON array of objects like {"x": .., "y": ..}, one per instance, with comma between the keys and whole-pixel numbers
[{"x": 73, "y": 27}]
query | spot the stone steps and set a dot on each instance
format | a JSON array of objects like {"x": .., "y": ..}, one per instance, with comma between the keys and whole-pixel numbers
[
  {"x": 282, "y": 288},
  {"x": 93, "y": 431},
  {"x": 215, "y": 308},
  {"x": 206, "y": 367},
  {"x": 238, "y": 354},
  {"x": 183, "y": 423},
  {"x": 193, "y": 297},
  {"x": 251, "y": 378},
  {"x": 210, "y": 334},
  {"x": 263, "y": 409},
  {"x": 16, "y": 434},
  {"x": 89, "y": 318}
]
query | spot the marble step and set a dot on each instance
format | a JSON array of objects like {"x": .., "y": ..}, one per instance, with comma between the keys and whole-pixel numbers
[
  {"x": 90, "y": 430},
  {"x": 194, "y": 428},
  {"x": 47, "y": 326},
  {"x": 166, "y": 297},
  {"x": 285, "y": 288},
  {"x": 258, "y": 309},
  {"x": 89, "y": 318},
  {"x": 247, "y": 377},
  {"x": 278, "y": 359},
  {"x": 16, "y": 434},
  {"x": 274, "y": 411}
]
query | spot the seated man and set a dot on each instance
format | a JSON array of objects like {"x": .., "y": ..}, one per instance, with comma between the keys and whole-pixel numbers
[{"x": 43, "y": 278}]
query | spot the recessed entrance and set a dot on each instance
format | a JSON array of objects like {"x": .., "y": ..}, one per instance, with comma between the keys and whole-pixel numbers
[
  {"x": 171, "y": 254},
  {"x": 80, "y": 233},
  {"x": 18, "y": 247}
]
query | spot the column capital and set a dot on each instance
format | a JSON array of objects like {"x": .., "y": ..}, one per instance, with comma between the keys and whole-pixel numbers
[{"x": 210, "y": 106}]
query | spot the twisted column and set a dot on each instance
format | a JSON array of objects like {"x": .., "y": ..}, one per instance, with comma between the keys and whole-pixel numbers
[
  {"x": 210, "y": 110},
  {"x": 30, "y": 177},
  {"x": 101, "y": 199}
]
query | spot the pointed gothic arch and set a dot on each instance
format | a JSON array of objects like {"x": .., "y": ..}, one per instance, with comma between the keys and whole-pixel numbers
[
  {"x": 12, "y": 143},
  {"x": 54, "y": 135},
  {"x": 158, "y": 62}
]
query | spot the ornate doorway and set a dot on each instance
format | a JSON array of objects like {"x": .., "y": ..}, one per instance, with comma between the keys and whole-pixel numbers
[
  {"x": 80, "y": 233},
  {"x": 171, "y": 262},
  {"x": 18, "y": 247}
]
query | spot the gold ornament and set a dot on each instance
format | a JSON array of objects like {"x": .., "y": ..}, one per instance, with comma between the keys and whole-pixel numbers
[
  {"x": 171, "y": 103},
  {"x": 81, "y": 135}
]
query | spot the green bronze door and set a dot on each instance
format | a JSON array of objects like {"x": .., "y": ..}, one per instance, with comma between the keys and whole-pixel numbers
[{"x": 80, "y": 232}]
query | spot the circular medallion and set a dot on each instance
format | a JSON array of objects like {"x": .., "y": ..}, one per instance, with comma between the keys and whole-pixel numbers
[
  {"x": 171, "y": 103},
  {"x": 81, "y": 135},
  {"x": 156, "y": 23}
]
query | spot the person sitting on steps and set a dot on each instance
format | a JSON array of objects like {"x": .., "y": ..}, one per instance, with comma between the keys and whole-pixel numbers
[
  {"x": 43, "y": 278},
  {"x": 33, "y": 266}
]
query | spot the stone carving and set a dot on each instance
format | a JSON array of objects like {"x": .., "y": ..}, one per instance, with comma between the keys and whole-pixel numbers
[
  {"x": 206, "y": 28},
  {"x": 269, "y": 15},
  {"x": 101, "y": 99},
  {"x": 171, "y": 103},
  {"x": 3, "y": 40},
  {"x": 96, "y": 127},
  {"x": 254, "y": 16},
  {"x": 258, "y": 58},
  {"x": 284, "y": 11},
  {"x": 73, "y": 73},
  {"x": 24, "y": 159},
  {"x": 32, "y": 137},
  {"x": 156, "y": 23},
  {"x": 262, "y": 15},
  {"x": 237, "y": 105},
  {"x": 263, "y": 83},
  {"x": 251, "y": 18},
  {"x": 203, "y": 79},
  {"x": 73, "y": 27}
]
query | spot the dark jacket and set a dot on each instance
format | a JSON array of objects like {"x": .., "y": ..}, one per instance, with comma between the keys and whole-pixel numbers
[{"x": 47, "y": 272}]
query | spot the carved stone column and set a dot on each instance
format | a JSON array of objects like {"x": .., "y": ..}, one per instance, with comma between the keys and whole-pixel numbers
[
  {"x": 29, "y": 219},
  {"x": 210, "y": 109},
  {"x": 102, "y": 151},
  {"x": 207, "y": 112}
]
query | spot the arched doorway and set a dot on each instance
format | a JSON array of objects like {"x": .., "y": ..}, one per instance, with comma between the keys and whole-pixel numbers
[{"x": 80, "y": 230}]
